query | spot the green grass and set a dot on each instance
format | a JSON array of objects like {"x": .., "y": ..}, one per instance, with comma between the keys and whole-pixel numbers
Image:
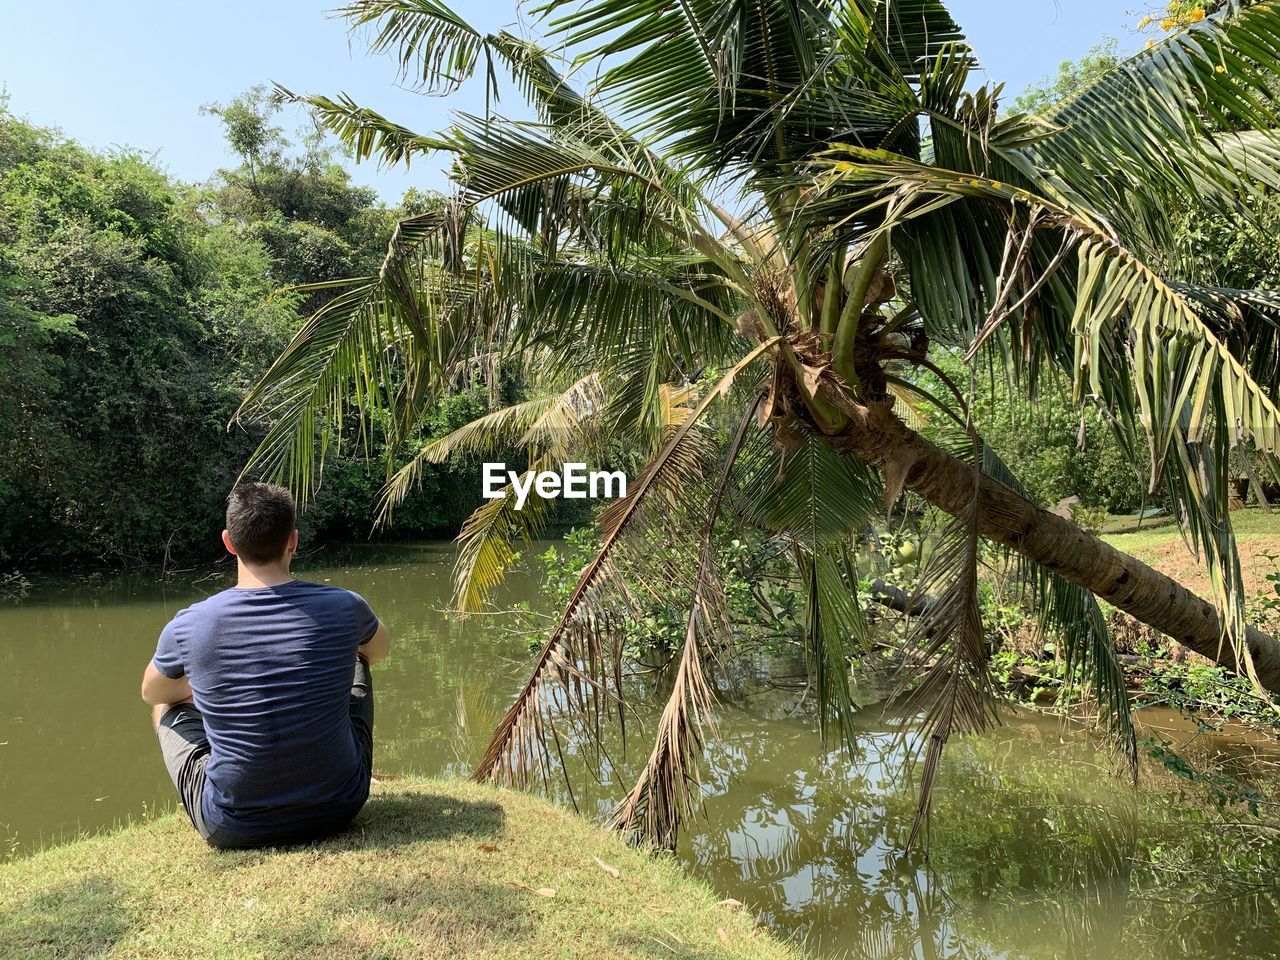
[
  {"x": 432, "y": 868},
  {"x": 1143, "y": 538}
]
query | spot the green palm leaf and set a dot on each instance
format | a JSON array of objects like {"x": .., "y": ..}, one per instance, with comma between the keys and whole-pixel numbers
[{"x": 434, "y": 46}]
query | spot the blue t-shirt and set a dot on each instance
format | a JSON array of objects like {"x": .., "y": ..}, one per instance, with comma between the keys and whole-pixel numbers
[{"x": 271, "y": 671}]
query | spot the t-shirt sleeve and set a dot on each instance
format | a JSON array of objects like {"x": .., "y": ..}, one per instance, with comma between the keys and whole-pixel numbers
[
  {"x": 366, "y": 620},
  {"x": 168, "y": 658}
]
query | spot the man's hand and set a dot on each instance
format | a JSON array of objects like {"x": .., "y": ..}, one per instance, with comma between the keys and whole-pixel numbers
[
  {"x": 376, "y": 647},
  {"x": 157, "y": 689}
]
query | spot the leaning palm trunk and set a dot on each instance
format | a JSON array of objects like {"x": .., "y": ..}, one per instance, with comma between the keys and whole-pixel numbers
[{"x": 880, "y": 439}]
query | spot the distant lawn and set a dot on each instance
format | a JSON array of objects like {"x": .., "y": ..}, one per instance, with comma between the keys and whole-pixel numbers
[
  {"x": 433, "y": 869},
  {"x": 1157, "y": 541}
]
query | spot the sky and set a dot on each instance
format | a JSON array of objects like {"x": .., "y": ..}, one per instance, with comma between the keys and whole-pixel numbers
[{"x": 134, "y": 73}]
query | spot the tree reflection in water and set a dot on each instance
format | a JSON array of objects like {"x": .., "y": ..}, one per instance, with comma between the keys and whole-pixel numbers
[
  {"x": 1035, "y": 849},
  {"x": 816, "y": 851}
]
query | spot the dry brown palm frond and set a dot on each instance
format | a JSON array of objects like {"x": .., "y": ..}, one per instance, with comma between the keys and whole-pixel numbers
[
  {"x": 956, "y": 692},
  {"x": 579, "y": 668},
  {"x": 948, "y": 637},
  {"x": 664, "y": 793},
  {"x": 587, "y": 638}
]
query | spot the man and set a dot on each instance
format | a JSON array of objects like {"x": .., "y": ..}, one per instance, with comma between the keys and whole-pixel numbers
[{"x": 264, "y": 731}]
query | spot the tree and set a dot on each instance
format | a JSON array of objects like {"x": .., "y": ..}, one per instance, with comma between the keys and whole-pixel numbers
[
  {"x": 295, "y": 197},
  {"x": 1072, "y": 75},
  {"x": 882, "y": 213},
  {"x": 114, "y": 395}
]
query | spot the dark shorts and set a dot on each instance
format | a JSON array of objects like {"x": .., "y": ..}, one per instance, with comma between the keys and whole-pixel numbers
[{"x": 185, "y": 749}]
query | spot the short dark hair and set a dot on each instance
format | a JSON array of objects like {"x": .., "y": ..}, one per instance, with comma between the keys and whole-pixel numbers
[{"x": 260, "y": 518}]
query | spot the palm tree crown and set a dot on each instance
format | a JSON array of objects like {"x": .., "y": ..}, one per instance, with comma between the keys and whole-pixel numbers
[{"x": 779, "y": 214}]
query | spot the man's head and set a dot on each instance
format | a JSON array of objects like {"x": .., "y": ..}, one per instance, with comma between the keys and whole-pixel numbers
[{"x": 260, "y": 523}]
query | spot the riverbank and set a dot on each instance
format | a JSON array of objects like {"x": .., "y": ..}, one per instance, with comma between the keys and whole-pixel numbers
[
  {"x": 1159, "y": 542},
  {"x": 433, "y": 868}
]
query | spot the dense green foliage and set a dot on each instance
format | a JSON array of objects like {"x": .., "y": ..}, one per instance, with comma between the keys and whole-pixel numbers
[
  {"x": 134, "y": 314},
  {"x": 130, "y": 316},
  {"x": 1062, "y": 448},
  {"x": 1065, "y": 451}
]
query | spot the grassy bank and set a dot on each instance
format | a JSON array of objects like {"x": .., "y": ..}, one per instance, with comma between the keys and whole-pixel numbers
[
  {"x": 1157, "y": 541},
  {"x": 433, "y": 868}
]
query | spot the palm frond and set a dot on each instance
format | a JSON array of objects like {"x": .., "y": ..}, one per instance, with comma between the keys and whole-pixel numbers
[
  {"x": 365, "y": 132},
  {"x": 490, "y": 432},
  {"x": 809, "y": 492},
  {"x": 955, "y": 691},
  {"x": 1154, "y": 120},
  {"x": 551, "y": 425},
  {"x": 378, "y": 347},
  {"x": 563, "y": 108},
  {"x": 488, "y": 542},
  {"x": 912, "y": 33},
  {"x": 726, "y": 85},
  {"x": 580, "y": 637},
  {"x": 619, "y": 306},
  {"x": 835, "y": 631},
  {"x": 435, "y": 48},
  {"x": 667, "y": 788},
  {"x": 818, "y": 501},
  {"x": 555, "y": 172}
]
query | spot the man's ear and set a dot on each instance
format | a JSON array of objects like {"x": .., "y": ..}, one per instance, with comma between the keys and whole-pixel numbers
[
  {"x": 226, "y": 542},
  {"x": 293, "y": 542}
]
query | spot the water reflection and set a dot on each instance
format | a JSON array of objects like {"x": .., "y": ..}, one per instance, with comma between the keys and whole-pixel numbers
[{"x": 1035, "y": 850}]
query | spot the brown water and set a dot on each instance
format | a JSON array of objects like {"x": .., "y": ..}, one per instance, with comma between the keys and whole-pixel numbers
[{"x": 1035, "y": 850}]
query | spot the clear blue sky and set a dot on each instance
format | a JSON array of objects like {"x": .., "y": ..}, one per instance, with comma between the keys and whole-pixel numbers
[{"x": 135, "y": 72}]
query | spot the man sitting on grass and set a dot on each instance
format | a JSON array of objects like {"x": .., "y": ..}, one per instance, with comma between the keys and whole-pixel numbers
[{"x": 265, "y": 731}]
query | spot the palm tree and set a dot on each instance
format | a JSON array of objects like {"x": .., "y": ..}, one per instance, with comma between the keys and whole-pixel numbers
[{"x": 783, "y": 213}]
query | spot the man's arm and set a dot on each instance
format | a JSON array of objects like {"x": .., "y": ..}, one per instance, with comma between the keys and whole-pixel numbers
[
  {"x": 378, "y": 646},
  {"x": 158, "y": 689}
]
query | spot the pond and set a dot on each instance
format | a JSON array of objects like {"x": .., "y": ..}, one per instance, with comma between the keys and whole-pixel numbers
[{"x": 1035, "y": 849}]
